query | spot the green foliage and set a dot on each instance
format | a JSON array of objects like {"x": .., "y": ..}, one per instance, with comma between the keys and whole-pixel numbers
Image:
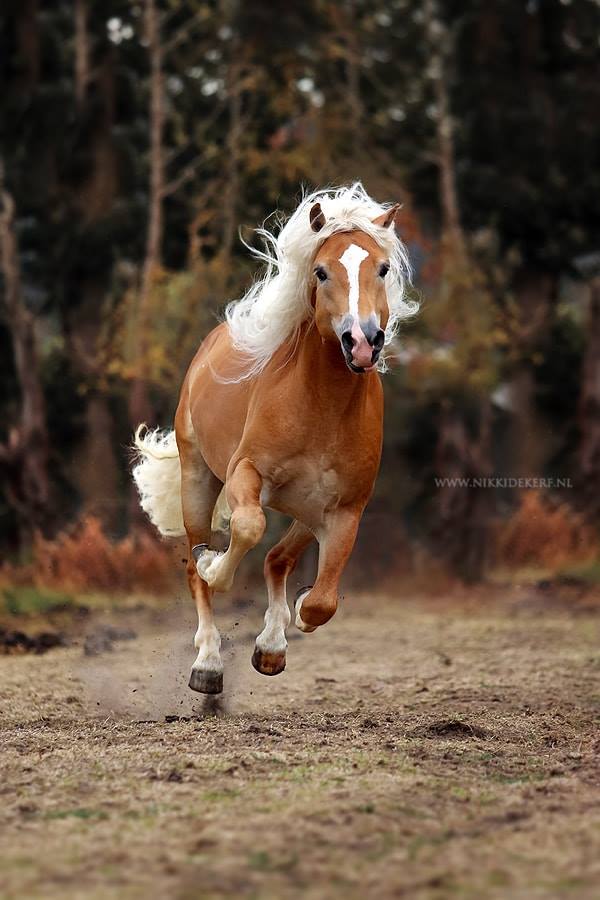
[
  {"x": 28, "y": 600},
  {"x": 586, "y": 574},
  {"x": 81, "y": 813}
]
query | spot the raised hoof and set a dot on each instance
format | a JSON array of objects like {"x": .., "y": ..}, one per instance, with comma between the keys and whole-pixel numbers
[
  {"x": 198, "y": 550},
  {"x": 208, "y": 565},
  {"x": 206, "y": 682},
  {"x": 268, "y": 663},
  {"x": 302, "y": 626}
]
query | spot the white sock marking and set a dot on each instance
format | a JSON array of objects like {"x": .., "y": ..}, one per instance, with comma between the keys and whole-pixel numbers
[
  {"x": 351, "y": 259},
  {"x": 208, "y": 644},
  {"x": 277, "y": 618},
  {"x": 307, "y": 629}
]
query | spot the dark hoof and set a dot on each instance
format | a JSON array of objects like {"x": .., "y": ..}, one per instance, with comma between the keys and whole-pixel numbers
[
  {"x": 303, "y": 590},
  {"x": 206, "y": 682},
  {"x": 268, "y": 663},
  {"x": 198, "y": 550}
]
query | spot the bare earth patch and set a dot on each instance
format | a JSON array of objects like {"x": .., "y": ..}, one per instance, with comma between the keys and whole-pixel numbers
[{"x": 409, "y": 750}]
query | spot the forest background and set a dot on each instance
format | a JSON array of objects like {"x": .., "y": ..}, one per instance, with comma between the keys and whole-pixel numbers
[{"x": 137, "y": 140}]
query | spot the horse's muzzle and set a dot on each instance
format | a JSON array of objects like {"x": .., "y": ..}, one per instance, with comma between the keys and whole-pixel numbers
[{"x": 361, "y": 352}]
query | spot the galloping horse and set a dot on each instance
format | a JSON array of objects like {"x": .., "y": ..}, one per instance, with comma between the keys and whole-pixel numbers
[{"x": 283, "y": 405}]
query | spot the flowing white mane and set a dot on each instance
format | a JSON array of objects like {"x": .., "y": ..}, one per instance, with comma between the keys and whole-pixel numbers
[{"x": 275, "y": 307}]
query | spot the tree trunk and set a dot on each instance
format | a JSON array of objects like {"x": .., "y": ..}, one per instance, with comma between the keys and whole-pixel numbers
[
  {"x": 82, "y": 52},
  {"x": 24, "y": 457},
  {"x": 28, "y": 41},
  {"x": 98, "y": 473},
  {"x": 589, "y": 409},
  {"x": 532, "y": 442},
  {"x": 352, "y": 67},
  {"x": 464, "y": 510},
  {"x": 232, "y": 162},
  {"x": 139, "y": 403},
  {"x": 94, "y": 468},
  {"x": 93, "y": 461},
  {"x": 440, "y": 47}
]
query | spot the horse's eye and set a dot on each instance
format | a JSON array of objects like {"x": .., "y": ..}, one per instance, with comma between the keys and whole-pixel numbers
[
  {"x": 384, "y": 268},
  {"x": 321, "y": 273}
]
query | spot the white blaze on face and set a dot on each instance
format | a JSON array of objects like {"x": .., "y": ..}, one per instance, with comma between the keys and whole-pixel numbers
[{"x": 351, "y": 259}]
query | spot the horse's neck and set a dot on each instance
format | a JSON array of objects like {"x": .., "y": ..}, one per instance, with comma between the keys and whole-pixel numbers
[{"x": 322, "y": 369}]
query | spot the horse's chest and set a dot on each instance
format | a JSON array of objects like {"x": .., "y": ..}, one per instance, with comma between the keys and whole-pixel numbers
[
  {"x": 313, "y": 460},
  {"x": 306, "y": 488}
]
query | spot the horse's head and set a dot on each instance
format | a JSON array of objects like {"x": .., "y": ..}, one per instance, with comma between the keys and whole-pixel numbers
[{"x": 350, "y": 298}]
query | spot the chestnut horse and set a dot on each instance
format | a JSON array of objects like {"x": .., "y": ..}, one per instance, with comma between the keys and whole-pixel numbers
[{"x": 283, "y": 405}]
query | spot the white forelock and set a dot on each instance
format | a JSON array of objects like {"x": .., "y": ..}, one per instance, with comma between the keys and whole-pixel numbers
[{"x": 275, "y": 307}]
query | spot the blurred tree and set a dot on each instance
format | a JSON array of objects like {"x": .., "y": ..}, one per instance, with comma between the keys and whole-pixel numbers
[
  {"x": 139, "y": 404},
  {"x": 463, "y": 514},
  {"x": 589, "y": 406},
  {"x": 24, "y": 455},
  {"x": 526, "y": 94}
]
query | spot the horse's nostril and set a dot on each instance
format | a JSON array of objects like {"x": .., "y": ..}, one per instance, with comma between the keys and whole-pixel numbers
[
  {"x": 347, "y": 341},
  {"x": 379, "y": 340}
]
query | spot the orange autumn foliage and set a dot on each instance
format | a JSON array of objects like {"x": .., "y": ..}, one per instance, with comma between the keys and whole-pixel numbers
[
  {"x": 83, "y": 559},
  {"x": 546, "y": 533}
]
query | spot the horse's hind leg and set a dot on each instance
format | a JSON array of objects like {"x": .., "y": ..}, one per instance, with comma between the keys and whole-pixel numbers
[
  {"x": 269, "y": 654},
  {"x": 199, "y": 492},
  {"x": 247, "y": 526}
]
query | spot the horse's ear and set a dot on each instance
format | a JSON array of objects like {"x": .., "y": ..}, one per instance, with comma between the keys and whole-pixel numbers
[
  {"x": 386, "y": 219},
  {"x": 317, "y": 219}
]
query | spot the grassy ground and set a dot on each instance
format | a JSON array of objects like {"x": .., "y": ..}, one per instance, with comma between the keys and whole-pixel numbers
[{"x": 419, "y": 750}]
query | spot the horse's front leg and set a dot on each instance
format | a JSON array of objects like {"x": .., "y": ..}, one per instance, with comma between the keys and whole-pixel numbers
[
  {"x": 247, "y": 526},
  {"x": 269, "y": 654},
  {"x": 336, "y": 540}
]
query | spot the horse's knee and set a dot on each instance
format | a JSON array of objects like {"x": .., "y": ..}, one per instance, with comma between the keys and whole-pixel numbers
[
  {"x": 248, "y": 525},
  {"x": 278, "y": 563}
]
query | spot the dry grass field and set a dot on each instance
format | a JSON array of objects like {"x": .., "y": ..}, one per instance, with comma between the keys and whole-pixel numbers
[{"x": 412, "y": 748}]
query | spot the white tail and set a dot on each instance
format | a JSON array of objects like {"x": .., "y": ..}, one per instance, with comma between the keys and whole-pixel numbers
[{"x": 157, "y": 475}]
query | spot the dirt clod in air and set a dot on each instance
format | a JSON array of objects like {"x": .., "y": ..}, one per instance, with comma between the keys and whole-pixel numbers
[
  {"x": 18, "y": 642},
  {"x": 103, "y": 638},
  {"x": 450, "y": 728}
]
